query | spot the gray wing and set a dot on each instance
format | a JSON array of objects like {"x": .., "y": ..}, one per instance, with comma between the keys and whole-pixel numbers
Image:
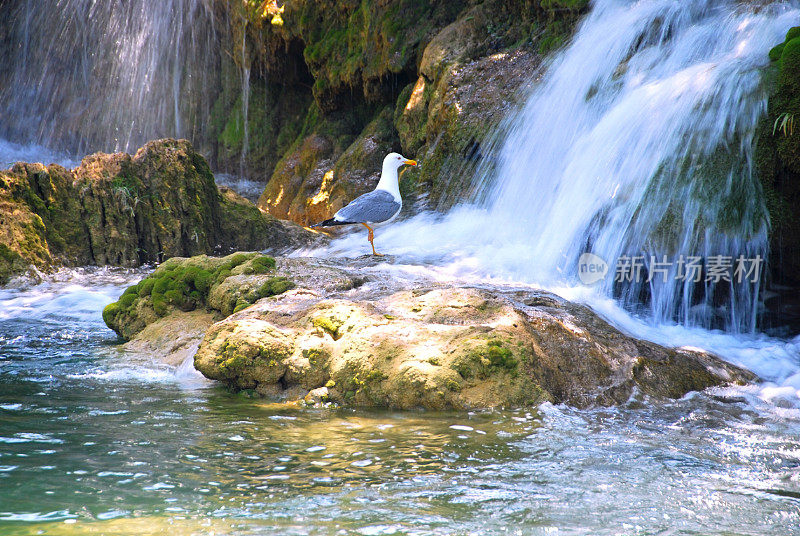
[{"x": 373, "y": 207}]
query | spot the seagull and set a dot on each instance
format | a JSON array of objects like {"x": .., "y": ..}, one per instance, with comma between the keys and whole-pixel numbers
[{"x": 378, "y": 206}]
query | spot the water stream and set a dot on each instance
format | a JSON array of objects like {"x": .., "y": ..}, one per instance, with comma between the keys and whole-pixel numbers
[
  {"x": 85, "y": 76},
  {"x": 97, "y": 441},
  {"x": 637, "y": 142}
]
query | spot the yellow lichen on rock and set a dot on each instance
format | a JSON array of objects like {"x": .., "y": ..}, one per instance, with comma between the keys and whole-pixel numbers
[{"x": 442, "y": 348}]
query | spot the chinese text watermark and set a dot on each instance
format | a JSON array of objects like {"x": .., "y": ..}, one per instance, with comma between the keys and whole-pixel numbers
[{"x": 689, "y": 268}]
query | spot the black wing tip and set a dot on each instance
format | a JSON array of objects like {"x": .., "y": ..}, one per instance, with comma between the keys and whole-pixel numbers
[{"x": 330, "y": 222}]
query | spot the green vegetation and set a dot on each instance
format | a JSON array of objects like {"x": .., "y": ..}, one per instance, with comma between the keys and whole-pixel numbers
[
  {"x": 777, "y": 158},
  {"x": 328, "y": 324},
  {"x": 186, "y": 284},
  {"x": 10, "y": 263},
  {"x": 361, "y": 44},
  {"x": 484, "y": 361},
  {"x": 784, "y": 123},
  {"x": 272, "y": 287}
]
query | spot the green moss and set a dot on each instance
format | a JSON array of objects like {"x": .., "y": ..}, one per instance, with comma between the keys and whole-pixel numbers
[
  {"x": 129, "y": 184},
  {"x": 260, "y": 265},
  {"x": 146, "y": 287},
  {"x": 159, "y": 304},
  {"x": 560, "y": 5},
  {"x": 10, "y": 263},
  {"x": 177, "y": 298},
  {"x": 275, "y": 286},
  {"x": 374, "y": 375},
  {"x": 232, "y": 135},
  {"x": 775, "y": 52},
  {"x": 315, "y": 355},
  {"x": 237, "y": 259},
  {"x": 500, "y": 357},
  {"x": 235, "y": 364},
  {"x": 160, "y": 284},
  {"x": 126, "y": 300},
  {"x": 221, "y": 275},
  {"x": 241, "y": 304},
  {"x": 359, "y": 44},
  {"x": 274, "y": 118},
  {"x": 110, "y": 312},
  {"x": 789, "y": 74},
  {"x": 186, "y": 285},
  {"x": 328, "y": 324},
  {"x": 493, "y": 358},
  {"x": 453, "y": 385},
  {"x": 7, "y": 254}
]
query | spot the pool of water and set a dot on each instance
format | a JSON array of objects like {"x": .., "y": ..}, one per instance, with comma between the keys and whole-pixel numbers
[{"x": 97, "y": 441}]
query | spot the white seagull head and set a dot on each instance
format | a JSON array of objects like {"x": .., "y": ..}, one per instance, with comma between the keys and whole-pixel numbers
[{"x": 395, "y": 160}]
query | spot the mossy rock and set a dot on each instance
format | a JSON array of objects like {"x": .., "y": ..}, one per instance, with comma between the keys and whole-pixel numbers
[
  {"x": 129, "y": 210},
  {"x": 245, "y": 355},
  {"x": 329, "y": 325},
  {"x": 337, "y": 157},
  {"x": 195, "y": 283},
  {"x": 789, "y": 75},
  {"x": 486, "y": 359}
]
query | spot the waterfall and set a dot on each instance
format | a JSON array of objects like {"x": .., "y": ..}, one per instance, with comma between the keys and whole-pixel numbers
[
  {"x": 245, "y": 102},
  {"x": 83, "y": 75},
  {"x": 637, "y": 143}
]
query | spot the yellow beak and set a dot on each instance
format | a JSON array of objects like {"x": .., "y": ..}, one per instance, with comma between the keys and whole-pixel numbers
[{"x": 411, "y": 162}]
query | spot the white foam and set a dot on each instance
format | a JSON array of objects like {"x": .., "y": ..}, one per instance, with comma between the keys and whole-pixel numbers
[
  {"x": 643, "y": 86},
  {"x": 75, "y": 294},
  {"x": 154, "y": 373},
  {"x": 79, "y": 296}
]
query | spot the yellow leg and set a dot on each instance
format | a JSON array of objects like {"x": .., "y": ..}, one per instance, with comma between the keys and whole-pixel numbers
[{"x": 371, "y": 237}]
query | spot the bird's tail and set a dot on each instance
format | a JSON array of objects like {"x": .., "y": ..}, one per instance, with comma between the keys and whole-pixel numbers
[{"x": 330, "y": 222}]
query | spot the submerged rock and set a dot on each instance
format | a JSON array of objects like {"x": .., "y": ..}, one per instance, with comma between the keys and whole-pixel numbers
[
  {"x": 128, "y": 210},
  {"x": 348, "y": 332}
]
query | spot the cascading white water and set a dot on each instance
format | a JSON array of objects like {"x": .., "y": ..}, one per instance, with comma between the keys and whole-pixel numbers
[
  {"x": 637, "y": 142},
  {"x": 82, "y": 75}
]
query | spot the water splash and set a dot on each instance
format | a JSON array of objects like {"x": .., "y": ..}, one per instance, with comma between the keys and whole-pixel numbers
[
  {"x": 637, "y": 142},
  {"x": 84, "y": 76}
]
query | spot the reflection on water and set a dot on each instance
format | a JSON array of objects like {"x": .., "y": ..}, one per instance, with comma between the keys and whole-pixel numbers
[{"x": 95, "y": 442}]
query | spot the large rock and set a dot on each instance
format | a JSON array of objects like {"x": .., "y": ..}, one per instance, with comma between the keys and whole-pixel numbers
[
  {"x": 429, "y": 79},
  {"x": 213, "y": 287},
  {"x": 128, "y": 210},
  {"x": 448, "y": 119},
  {"x": 329, "y": 168},
  {"x": 346, "y": 331},
  {"x": 444, "y": 347}
]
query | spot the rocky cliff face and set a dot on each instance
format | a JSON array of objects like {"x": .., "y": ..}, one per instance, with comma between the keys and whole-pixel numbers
[
  {"x": 778, "y": 167},
  {"x": 337, "y": 84},
  {"x": 127, "y": 210}
]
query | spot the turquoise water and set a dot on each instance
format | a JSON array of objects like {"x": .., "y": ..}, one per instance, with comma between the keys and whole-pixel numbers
[{"x": 96, "y": 441}]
